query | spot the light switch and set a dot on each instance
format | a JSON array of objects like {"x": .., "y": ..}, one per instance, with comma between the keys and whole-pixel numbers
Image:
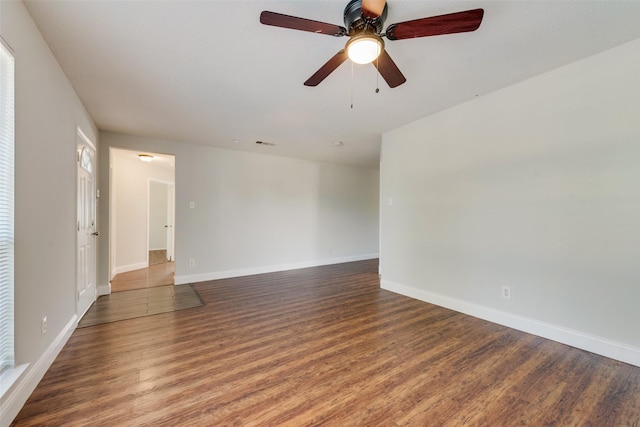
[{"x": 192, "y": 205}]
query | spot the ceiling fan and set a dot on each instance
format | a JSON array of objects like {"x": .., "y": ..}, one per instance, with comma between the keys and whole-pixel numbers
[{"x": 364, "y": 20}]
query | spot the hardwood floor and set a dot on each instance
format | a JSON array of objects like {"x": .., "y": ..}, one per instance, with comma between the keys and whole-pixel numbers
[
  {"x": 325, "y": 346},
  {"x": 158, "y": 256},
  {"x": 155, "y": 275},
  {"x": 140, "y": 302}
]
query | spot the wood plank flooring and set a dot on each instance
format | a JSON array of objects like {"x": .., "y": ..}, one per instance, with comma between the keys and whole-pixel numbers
[
  {"x": 140, "y": 302},
  {"x": 153, "y": 276},
  {"x": 158, "y": 256},
  {"x": 325, "y": 346}
]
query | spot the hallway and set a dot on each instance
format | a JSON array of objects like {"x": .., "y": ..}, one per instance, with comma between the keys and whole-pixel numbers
[{"x": 155, "y": 275}]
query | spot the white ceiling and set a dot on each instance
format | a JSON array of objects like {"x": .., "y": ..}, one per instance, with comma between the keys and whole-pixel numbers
[{"x": 207, "y": 72}]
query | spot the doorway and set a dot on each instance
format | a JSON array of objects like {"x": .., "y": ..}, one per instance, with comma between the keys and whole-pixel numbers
[{"x": 142, "y": 198}]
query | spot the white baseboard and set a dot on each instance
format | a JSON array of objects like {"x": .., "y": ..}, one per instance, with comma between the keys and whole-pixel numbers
[
  {"x": 216, "y": 275},
  {"x": 592, "y": 343},
  {"x": 22, "y": 389},
  {"x": 130, "y": 267},
  {"x": 103, "y": 289}
]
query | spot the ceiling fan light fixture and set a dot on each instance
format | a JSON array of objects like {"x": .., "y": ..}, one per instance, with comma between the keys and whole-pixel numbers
[
  {"x": 145, "y": 157},
  {"x": 364, "y": 48}
]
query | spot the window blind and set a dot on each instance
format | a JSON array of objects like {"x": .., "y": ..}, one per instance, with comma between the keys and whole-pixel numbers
[{"x": 7, "y": 125}]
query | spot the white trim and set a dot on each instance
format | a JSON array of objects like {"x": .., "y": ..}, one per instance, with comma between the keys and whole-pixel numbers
[
  {"x": 162, "y": 181},
  {"x": 112, "y": 217},
  {"x": 194, "y": 278},
  {"x": 146, "y": 237},
  {"x": 87, "y": 141},
  {"x": 9, "y": 377},
  {"x": 103, "y": 289},
  {"x": 592, "y": 343},
  {"x": 26, "y": 384},
  {"x": 7, "y": 46},
  {"x": 130, "y": 267}
]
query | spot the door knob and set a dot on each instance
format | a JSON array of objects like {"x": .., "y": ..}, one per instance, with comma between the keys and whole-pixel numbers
[{"x": 95, "y": 233}]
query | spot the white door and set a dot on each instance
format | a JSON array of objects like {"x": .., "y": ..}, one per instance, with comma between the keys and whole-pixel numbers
[
  {"x": 171, "y": 197},
  {"x": 86, "y": 226}
]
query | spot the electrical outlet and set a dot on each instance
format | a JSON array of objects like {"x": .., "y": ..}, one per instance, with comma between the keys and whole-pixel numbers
[
  {"x": 506, "y": 292},
  {"x": 192, "y": 263},
  {"x": 43, "y": 325}
]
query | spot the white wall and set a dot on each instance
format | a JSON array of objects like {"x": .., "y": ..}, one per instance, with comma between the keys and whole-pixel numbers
[
  {"x": 256, "y": 212},
  {"x": 536, "y": 187},
  {"x": 131, "y": 179},
  {"x": 47, "y": 113}
]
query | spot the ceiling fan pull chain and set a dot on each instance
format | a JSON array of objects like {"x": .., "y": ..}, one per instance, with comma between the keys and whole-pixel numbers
[
  {"x": 351, "y": 85},
  {"x": 377, "y": 74}
]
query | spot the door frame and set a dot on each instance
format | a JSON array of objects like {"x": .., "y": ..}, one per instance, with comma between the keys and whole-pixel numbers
[
  {"x": 117, "y": 161},
  {"x": 171, "y": 215}
]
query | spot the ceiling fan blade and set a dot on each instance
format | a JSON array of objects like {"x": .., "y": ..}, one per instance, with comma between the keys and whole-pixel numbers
[
  {"x": 327, "y": 69},
  {"x": 302, "y": 24},
  {"x": 458, "y": 22},
  {"x": 372, "y": 8},
  {"x": 389, "y": 70}
]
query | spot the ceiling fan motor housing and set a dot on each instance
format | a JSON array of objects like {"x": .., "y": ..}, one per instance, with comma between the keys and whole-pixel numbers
[{"x": 356, "y": 23}]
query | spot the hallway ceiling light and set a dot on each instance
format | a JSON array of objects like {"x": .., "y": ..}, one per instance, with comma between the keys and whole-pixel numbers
[{"x": 145, "y": 157}]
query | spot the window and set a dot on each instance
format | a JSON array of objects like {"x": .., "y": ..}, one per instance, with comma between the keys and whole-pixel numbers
[{"x": 7, "y": 124}]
